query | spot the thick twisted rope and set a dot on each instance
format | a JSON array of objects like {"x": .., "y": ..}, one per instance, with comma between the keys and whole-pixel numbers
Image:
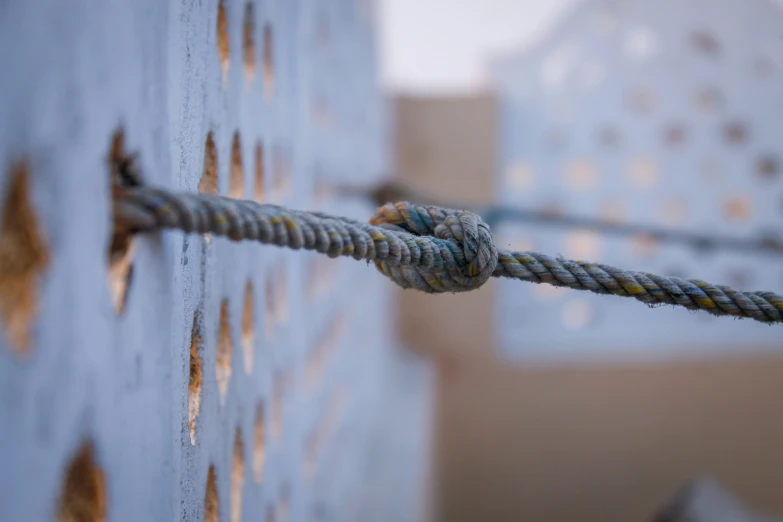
[{"x": 428, "y": 248}]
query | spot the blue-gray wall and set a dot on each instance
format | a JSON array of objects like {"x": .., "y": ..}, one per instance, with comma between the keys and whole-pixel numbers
[
  {"x": 73, "y": 74},
  {"x": 625, "y": 112}
]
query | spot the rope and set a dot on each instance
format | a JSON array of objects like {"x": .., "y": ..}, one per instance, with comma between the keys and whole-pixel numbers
[
  {"x": 428, "y": 248},
  {"x": 395, "y": 191}
]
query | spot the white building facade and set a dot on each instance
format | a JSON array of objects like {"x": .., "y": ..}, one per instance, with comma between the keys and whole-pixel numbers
[{"x": 661, "y": 113}]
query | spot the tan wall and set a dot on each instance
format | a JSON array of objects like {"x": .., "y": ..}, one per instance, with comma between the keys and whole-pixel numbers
[
  {"x": 568, "y": 443},
  {"x": 608, "y": 443},
  {"x": 428, "y": 130}
]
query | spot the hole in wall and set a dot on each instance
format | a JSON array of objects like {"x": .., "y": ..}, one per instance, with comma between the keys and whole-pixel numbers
[
  {"x": 323, "y": 34},
  {"x": 644, "y": 246},
  {"x": 222, "y": 40},
  {"x": 521, "y": 176},
  {"x": 609, "y": 137},
  {"x": 83, "y": 497},
  {"x": 289, "y": 380},
  {"x": 580, "y": 174},
  {"x": 259, "y": 444},
  {"x": 763, "y": 66},
  {"x": 320, "y": 182},
  {"x": 641, "y": 100},
  {"x": 236, "y": 182},
  {"x": 283, "y": 308},
  {"x": 735, "y": 133},
  {"x": 259, "y": 173},
  {"x": 772, "y": 238},
  {"x": 335, "y": 335},
  {"x": 322, "y": 353},
  {"x": 705, "y": 42},
  {"x": 709, "y": 99},
  {"x": 322, "y": 186},
  {"x": 583, "y": 244},
  {"x": 211, "y": 501},
  {"x": 123, "y": 173},
  {"x": 224, "y": 349},
  {"x": 277, "y": 171},
  {"x": 280, "y": 171},
  {"x": 248, "y": 42},
  {"x": 196, "y": 375},
  {"x": 334, "y": 411},
  {"x": 277, "y": 408},
  {"x": 120, "y": 274},
  {"x": 642, "y": 173},
  {"x": 237, "y": 477},
  {"x": 24, "y": 256},
  {"x": 312, "y": 368},
  {"x": 674, "y": 135},
  {"x": 319, "y": 356},
  {"x": 248, "y": 328},
  {"x": 269, "y": 71},
  {"x": 310, "y": 454},
  {"x": 270, "y": 306},
  {"x": 768, "y": 168},
  {"x": 737, "y": 208},
  {"x": 209, "y": 182}
]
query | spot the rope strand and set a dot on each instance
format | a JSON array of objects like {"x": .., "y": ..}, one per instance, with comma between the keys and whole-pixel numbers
[{"x": 429, "y": 248}]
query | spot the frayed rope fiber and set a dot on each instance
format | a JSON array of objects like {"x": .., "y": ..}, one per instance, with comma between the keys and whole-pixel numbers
[{"x": 428, "y": 248}]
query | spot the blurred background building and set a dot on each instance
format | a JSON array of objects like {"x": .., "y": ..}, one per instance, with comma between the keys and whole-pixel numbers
[{"x": 551, "y": 404}]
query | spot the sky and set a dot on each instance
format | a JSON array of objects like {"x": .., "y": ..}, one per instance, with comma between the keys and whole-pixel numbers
[{"x": 443, "y": 46}]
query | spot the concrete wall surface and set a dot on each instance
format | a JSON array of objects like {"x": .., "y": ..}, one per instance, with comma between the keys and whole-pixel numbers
[{"x": 187, "y": 377}]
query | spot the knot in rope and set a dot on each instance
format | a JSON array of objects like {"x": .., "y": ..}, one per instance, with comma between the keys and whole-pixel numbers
[
  {"x": 428, "y": 248},
  {"x": 468, "y": 253}
]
